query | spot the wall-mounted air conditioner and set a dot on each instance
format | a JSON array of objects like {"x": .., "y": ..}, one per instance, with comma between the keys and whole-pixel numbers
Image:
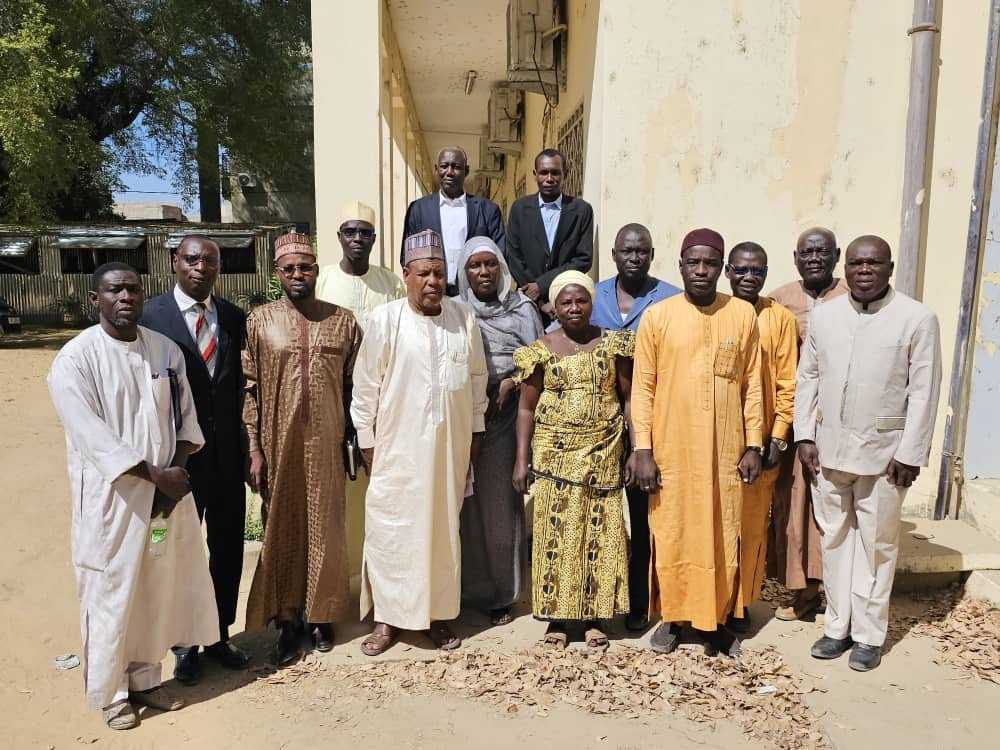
[
  {"x": 506, "y": 112},
  {"x": 490, "y": 161},
  {"x": 532, "y": 28}
]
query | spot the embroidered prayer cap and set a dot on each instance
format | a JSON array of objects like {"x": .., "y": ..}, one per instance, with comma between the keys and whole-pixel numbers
[
  {"x": 293, "y": 243},
  {"x": 567, "y": 278},
  {"x": 425, "y": 245},
  {"x": 356, "y": 211},
  {"x": 707, "y": 237}
]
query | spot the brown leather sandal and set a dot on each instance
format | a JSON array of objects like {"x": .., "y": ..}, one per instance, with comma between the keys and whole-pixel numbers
[
  {"x": 596, "y": 638},
  {"x": 443, "y": 636},
  {"x": 556, "y": 638},
  {"x": 380, "y": 640}
]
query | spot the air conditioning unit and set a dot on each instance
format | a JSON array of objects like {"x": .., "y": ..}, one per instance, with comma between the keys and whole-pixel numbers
[
  {"x": 247, "y": 180},
  {"x": 532, "y": 28},
  {"x": 490, "y": 162},
  {"x": 506, "y": 112}
]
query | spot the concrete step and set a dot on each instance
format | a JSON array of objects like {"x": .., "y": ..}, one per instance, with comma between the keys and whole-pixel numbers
[
  {"x": 984, "y": 584},
  {"x": 945, "y": 547}
]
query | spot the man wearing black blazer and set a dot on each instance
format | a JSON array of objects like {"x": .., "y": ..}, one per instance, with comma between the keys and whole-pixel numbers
[
  {"x": 548, "y": 232},
  {"x": 210, "y": 331},
  {"x": 454, "y": 214}
]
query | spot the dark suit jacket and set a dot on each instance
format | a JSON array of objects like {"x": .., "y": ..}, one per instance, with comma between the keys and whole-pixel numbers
[
  {"x": 219, "y": 399},
  {"x": 484, "y": 219},
  {"x": 528, "y": 250}
]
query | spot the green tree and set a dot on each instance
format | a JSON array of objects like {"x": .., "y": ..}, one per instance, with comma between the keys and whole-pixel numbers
[{"x": 75, "y": 75}]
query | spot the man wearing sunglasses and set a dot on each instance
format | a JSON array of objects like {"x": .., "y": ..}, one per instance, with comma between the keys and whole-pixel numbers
[
  {"x": 454, "y": 214},
  {"x": 298, "y": 363},
  {"x": 354, "y": 282},
  {"x": 747, "y": 272}
]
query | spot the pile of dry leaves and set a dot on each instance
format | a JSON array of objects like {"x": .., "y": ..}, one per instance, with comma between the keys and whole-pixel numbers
[
  {"x": 758, "y": 691},
  {"x": 967, "y": 631}
]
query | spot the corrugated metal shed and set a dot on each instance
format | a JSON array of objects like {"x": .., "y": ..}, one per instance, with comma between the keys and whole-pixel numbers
[{"x": 35, "y": 294}]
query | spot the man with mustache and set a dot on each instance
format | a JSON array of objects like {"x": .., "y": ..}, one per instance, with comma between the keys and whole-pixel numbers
[
  {"x": 210, "y": 332},
  {"x": 619, "y": 303},
  {"x": 419, "y": 407},
  {"x": 794, "y": 551},
  {"x": 697, "y": 419},
  {"x": 298, "y": 360},
  {"x": 747, "y": 272},
  {"x": 123, "y": 397},
  {"x": 866, "y": 400},
  {"x": 453, "y": 214}
]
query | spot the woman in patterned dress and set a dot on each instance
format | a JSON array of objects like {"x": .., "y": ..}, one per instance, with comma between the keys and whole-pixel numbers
[{"x": 572, "y": 417}]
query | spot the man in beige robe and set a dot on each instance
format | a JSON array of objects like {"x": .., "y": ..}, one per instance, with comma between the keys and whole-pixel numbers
[
  {"x": 419, "y": 407},
  {"x": 697, "y": 419},
  {"x": 794, "y": 551},
  {"x": 867, "y": 393},
  {"x": 298, "y": 360}
]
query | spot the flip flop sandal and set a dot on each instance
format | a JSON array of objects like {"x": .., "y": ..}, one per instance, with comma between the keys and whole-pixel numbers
[
  {"x": 443, "y": 637},
  {"x": 556, "y": 639},
  {"x": 501, "y": 617},
  {"x": 121, "y": 715},
  {"x": 596, "y": 639},
  {"x": 378, "y": 643}
]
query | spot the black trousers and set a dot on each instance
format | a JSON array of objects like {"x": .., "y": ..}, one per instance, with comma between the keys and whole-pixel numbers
[
  {"x": 638, "y": 559},
  {"x": 220, "y": 497}
]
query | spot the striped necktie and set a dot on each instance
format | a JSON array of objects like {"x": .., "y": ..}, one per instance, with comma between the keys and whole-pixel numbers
[{"x": 205, "y": 339}]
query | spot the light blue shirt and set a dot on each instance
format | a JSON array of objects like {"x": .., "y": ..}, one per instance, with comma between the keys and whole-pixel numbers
[{"x": 550, "y": 217}]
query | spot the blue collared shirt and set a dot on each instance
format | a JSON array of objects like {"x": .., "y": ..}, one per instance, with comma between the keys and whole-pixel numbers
[
  {"x": 606, "y": 313},
  {"x": 550, "y": 217}
]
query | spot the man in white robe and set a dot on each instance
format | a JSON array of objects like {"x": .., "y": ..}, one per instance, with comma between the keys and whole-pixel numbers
[
  {"x": 121, "y": 393},
  {"x": 419, "y": 405},
  {"x": 866, "y": 399}
]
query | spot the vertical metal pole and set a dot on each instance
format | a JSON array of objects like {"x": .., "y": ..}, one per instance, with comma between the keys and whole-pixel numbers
[
  {"x": 923, "y": 32},
  {"x": 954, "y": 425}
]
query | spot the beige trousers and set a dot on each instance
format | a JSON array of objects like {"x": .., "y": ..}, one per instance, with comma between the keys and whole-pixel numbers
[
  {"x": 139, "y": 676},
  {"x": 859, "y": 519}
]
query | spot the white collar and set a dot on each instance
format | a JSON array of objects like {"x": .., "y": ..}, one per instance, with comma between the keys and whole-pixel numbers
[
  {"x": 446, "y": 201},
  {"x": 557, "y": 202},
  {"x": 186, "y": 302}
]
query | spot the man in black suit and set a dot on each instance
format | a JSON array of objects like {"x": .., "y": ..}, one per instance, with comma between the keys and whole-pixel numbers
[
  {"x": 210, "y": 332},
  {"x": 548, "y": 232},
  {"x": 454, "y": 214}
]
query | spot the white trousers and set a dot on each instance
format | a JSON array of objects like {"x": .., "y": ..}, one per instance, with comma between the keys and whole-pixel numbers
[
  {"x": 138, "y": 677},
  {"x": 859, "y": 519}
]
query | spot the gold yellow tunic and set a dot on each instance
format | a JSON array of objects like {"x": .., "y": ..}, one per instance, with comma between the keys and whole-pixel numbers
[
  {"x": 579, "y": 555},
  {"x": 778, "y": 356},
  {"x": 696, "y": 403}
]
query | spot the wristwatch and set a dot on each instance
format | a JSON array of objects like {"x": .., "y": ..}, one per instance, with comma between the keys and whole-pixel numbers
[{"x": 782, "y": 444}]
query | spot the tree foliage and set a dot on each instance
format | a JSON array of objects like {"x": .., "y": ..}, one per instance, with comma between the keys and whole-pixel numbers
[{"x": 75, "y": 76}]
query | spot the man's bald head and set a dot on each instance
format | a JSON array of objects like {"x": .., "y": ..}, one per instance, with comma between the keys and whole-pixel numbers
[
  {"x": 868, "y": 267},
  {"x": 452, "y": 167},
  {"x": 816, "y": 256},
  {"x": 633, "y": 229},
  {"x": 633, "y": 254}
]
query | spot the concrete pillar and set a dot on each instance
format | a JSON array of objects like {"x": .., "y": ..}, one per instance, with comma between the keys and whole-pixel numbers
[{"x": 346, "y": 91}]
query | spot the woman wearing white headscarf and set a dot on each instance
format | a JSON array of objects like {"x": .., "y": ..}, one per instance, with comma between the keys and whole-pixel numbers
[{"x": 493, "y": 530}]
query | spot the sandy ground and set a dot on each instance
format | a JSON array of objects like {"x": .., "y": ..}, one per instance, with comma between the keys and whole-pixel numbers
[{"x": 910, "y": 702}]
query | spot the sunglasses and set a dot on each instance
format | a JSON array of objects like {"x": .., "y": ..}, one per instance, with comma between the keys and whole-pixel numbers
[{"x": 760, "y": 273}]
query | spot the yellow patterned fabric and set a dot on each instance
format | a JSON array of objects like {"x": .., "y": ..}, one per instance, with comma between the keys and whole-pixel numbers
[{"x": 579, "y": 554}]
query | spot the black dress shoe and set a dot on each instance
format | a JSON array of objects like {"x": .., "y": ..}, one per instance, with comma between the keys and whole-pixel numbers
[
  {"x": 322, "y": 635},
  {"x": 722, "y": 641},
  {"x": 636, "y": 621},
  {"x": 228, "y": 655},
  {"x": 865, "y": 658},
  {"x": 286, "y": 650},
  {"x": 187, "y": 670},
  {"x": 738, "y": 624},
  {"x": 664, "y": 639},
  {"x": 830, "y": 648}
]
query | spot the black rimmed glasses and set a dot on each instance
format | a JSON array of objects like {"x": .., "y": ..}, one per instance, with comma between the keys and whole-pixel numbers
[{"x": 303, "y": 268}]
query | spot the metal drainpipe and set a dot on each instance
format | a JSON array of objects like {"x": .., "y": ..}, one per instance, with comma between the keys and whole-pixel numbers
[
  {"x": 954, "y": 425},
  {"x": 923, "y": 31}
]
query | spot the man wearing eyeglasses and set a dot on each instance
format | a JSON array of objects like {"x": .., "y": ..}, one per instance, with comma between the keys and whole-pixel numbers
[
  {"x": 795, "y": 552},
  {"x": 454, "y": 214},
  {"x": 747, "y": 272},
  {"x": 298, "y": 364},
  {"x": 354, "y": 282},
  {"x": 209, "y": 331}
]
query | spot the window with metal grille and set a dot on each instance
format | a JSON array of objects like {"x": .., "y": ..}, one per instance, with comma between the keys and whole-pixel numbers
[
  {"x": 521, "y": 186},
  {"x": 83, "y": 260},
  {"x": 19, "y": 254},
  {"x": 571, "y": 140}
]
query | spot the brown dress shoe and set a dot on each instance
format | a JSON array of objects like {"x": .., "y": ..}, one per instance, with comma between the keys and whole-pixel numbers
[{"x": 159, "y": 698}]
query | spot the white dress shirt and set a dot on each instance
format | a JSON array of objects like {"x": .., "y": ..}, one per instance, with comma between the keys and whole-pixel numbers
[
  {"x": 190, "y": 314},
  {"x": 454, "y": 230},
  {"x": 550, "y": 217}
]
